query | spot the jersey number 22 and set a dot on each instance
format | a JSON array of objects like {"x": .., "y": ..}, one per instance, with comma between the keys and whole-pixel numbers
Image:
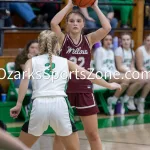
[{"x": 81, "y": 60}]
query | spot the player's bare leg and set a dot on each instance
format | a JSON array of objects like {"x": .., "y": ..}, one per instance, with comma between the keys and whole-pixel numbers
[
  {"x": 27, "y": 139},
  {"x": 91, "y": 130},
  {"x": 71, "y": 142},
  {"x": 57, "y": 145}
]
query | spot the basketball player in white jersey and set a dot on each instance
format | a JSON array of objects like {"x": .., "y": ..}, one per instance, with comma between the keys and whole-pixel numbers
[
  {"x": 143, "y": 65},
  {"x": 50, "y": 105},
  {"x": 105, "y": 63},
  {"x": 125, "y": 62}
]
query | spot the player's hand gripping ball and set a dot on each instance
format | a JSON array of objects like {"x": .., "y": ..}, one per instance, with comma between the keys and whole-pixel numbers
[{"x": 83, "y": 3}]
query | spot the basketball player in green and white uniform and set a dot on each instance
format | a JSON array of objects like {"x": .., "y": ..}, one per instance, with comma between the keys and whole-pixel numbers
[
  {"x": 50, "y": 105},
  {"x": 105, "y": 63},
  {"x": 143, "y": 65},
  {"x": 125, "y": 63}
]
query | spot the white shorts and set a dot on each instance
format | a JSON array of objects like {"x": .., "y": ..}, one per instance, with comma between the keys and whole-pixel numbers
[{"x": 51, "y": 111}]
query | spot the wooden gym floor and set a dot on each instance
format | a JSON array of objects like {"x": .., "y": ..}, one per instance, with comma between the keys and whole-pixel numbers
[{"x": 129, "y": 132}]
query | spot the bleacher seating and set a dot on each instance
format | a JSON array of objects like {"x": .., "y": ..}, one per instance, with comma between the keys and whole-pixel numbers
[
  {"x": 12, "y": 94},
  {"x": 20, "y": 39}
]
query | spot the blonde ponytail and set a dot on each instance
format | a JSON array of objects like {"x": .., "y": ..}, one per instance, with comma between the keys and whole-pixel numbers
[
  {"x": 48, "y": 43},
  {"x": 49, "y": 46}
]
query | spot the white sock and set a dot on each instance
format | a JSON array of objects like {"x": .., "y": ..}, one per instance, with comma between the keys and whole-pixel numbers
[
  {"x": 115, "y": 98},
  {"x": 141, "y": 99},
  {"x": 126, "y": 98},
  {"x": 122, "y": 104},
  {"x": 131, "y": 97},
  {"x": 112, "y": 100}
]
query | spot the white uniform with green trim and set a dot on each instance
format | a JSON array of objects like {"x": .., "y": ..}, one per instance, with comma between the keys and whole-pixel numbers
[
  {"x": 127, "y": 56},
  {"x": 146, "y": 57},
  {"x": 49, "y": 105},
  {"x": 105, "y": 61}
]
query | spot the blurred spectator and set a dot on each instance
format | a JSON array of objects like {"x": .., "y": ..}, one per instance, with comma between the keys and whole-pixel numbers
[
  {"x": 25, "y": 11},
  {"x": 6, "y": 16},
  {"x": 105, "y": 63},
  {"x": 143, "y": 65},
  {"x": 92, "y": 20},
  {"x": 125, "y": 12},
  {"x": 125, "y": 62},
  {"x": 147, "y": 16},
  {"x": 49, "y": 9},
  {"x": 30, "y": 51},
  {"x": 143, "y": 56}
]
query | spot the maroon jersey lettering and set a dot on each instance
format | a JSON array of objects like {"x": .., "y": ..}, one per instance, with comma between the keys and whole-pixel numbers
[{"x": 80, "y": 54}]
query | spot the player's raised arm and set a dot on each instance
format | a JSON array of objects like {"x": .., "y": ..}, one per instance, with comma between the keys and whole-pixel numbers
[
  {"x": 102, "y": 32},
  {"x": 14, "y": 112},
  {"x": 82, "y": 73},
  {"x": 58, "y": 18}
]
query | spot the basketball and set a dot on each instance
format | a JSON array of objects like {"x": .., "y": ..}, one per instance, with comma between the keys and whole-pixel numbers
[{"x": 83, "y": 3}]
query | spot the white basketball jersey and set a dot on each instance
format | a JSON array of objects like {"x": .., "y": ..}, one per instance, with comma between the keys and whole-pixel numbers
[
  {"x": 146, "y": 58},
  {"x": 104, "y": 60},
  {"x": 46, "y": 82},
  {"x": 109, "y": 60},
  {"x": 127, "y": 56}
]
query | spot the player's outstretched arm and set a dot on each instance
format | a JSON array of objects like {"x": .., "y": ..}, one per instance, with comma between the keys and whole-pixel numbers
[
  {"x": 14, "y": 112},
  {"x": 8, "y": 142},
  {"x": 102, "y": 32},
  {"x": 84, "y": 74},
  {"x": 58, "y": 18}
]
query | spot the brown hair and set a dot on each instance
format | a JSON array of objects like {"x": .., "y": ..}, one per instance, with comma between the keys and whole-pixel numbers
[
  {"x": 48, "y": 42},
  {"x": 22, "y": 57},
  {"x": 146, "y": 36},
  {"x": 126, "y": 33},
  {"x": 102, "y": 41},
  {"x": 75, "y": 12},
  {"x": 20, "y": 60},
  {"x": 25, "y": 52}
]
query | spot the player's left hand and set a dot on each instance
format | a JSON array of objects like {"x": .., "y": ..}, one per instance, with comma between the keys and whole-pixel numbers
[
  {"x": 95, "y": 4},
  {"x": 15, "y": 111},
  {"x": 115, "y": 86}
]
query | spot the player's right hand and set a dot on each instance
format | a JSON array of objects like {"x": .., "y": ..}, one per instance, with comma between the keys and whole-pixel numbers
[
  {"x": 15, "y": 111},
  {"x": 114, "y": 86}
]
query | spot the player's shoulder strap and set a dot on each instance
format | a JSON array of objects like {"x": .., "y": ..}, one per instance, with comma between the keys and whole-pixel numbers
[
  {"x": 86, "y": 39},
  {"x": 64, "y": 41}
]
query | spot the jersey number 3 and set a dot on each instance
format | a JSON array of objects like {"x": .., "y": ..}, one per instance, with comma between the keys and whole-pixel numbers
[
  {"x": 80, "y": 61},
  {"x": 48, "y": 71}
]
